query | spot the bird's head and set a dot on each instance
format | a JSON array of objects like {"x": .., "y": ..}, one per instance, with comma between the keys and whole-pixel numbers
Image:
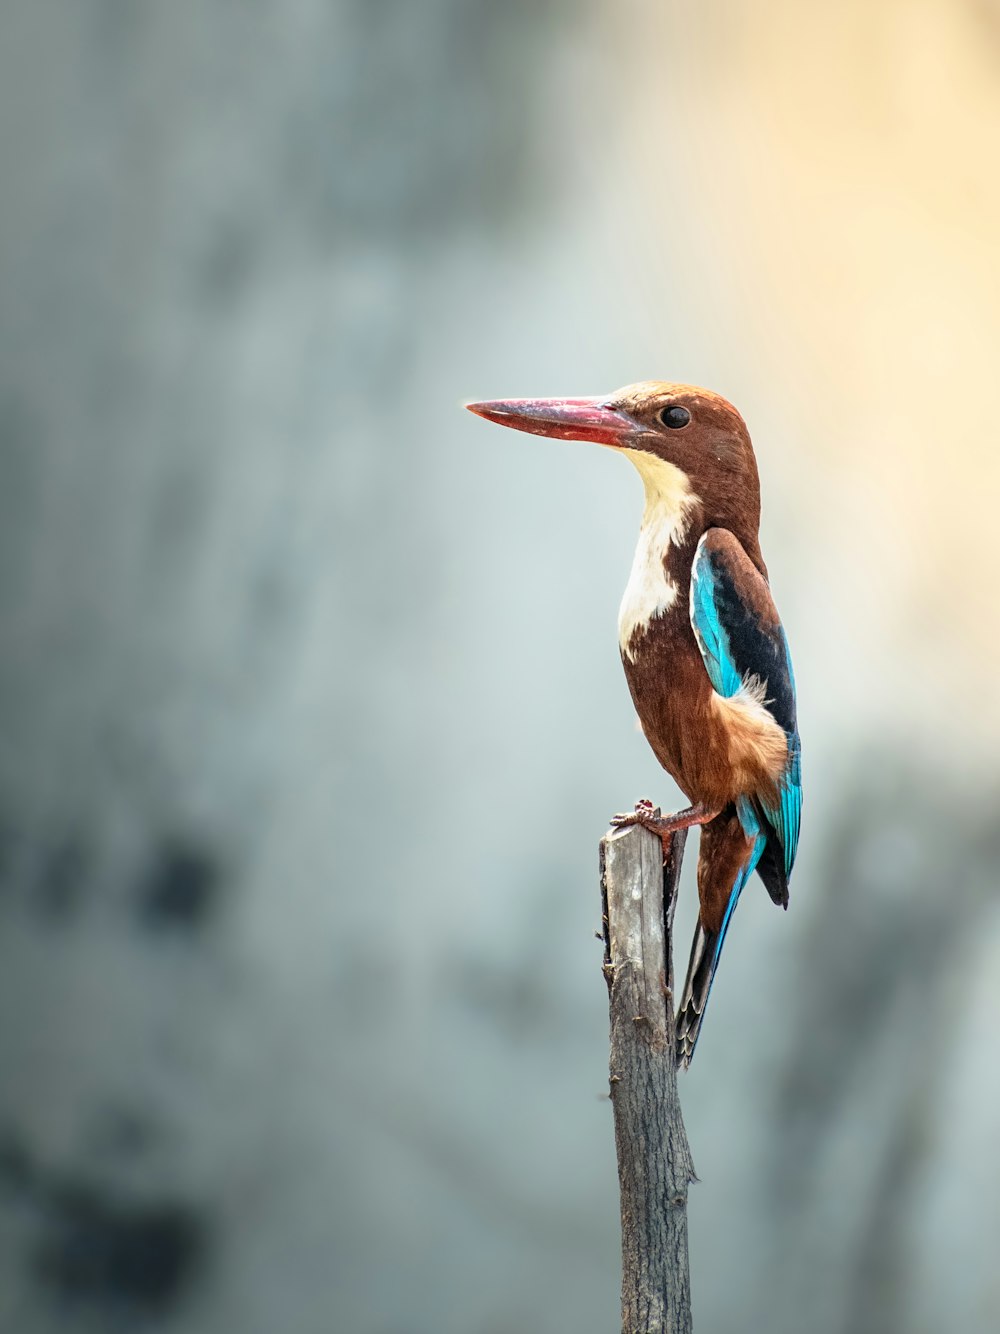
[{"x": 687, "y": 443}]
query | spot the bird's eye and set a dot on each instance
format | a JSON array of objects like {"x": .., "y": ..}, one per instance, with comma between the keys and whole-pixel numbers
[{"x": 675, "y": 417}]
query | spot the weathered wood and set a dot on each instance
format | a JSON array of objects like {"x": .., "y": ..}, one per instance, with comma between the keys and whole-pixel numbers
[{"x": 654, "y": 1160}]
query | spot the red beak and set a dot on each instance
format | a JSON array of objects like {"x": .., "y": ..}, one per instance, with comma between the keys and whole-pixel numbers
[{"x": 564, "y": 418}]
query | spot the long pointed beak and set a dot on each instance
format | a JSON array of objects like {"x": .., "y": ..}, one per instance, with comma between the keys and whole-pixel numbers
[{"x": 564, "y": 418}]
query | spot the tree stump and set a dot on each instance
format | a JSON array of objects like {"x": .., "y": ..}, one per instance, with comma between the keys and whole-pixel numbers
[{"x": 654, "y": 1160}]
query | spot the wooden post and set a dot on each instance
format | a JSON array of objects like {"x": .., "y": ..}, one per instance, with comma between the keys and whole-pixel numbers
[{"x": 654, "y": 1161}]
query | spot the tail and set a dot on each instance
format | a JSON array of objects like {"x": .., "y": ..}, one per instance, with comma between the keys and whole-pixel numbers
[
  {"x": 705, "y": 951},
  {"x": 701, "y": 970}
]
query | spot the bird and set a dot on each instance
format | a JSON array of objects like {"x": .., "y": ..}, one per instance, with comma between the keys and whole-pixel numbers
[{"x": 704, "y": 652}]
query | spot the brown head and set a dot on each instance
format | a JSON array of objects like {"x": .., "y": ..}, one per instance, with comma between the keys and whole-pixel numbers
[{"x": 683, "y": 440}]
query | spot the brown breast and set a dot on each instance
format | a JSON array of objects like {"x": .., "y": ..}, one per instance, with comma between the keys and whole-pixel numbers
[
  {"x": 714, "y": 749},
  {"x": 672, "y": 696}
]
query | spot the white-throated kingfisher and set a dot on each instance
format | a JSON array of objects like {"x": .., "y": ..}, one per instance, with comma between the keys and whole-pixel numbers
[{"x": 704, "y": 652}]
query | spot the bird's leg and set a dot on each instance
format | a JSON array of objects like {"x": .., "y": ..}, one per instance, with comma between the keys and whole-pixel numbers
[{"x": 664, "y": 825}]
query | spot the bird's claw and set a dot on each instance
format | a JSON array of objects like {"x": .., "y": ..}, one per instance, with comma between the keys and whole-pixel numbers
[{"x": 644, "y": 810}]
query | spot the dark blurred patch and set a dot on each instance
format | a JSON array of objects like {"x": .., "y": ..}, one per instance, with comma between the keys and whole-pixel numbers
[
  {"x": 226, "y": 264},
  {"x": 9, "y": 847},
  {"x": 17, "y": 1171},
  {"x": 904, "y": 871},
  {"x": 513, "y": 999},
  {"x": 271, "y": 595},
  {"x": 22, "y": 444},
  {"x": 180, "y": 889},
  {"x": 97, "y": 1250},
  {"x": 418, "y": 117},
  {"x": 92, "y": 1248},
  {"x": 123, "y": 1132},
  {"x": 178, "y": 513},
  {"x": 62, "y": 877},
  {"x": 906, "y": 879}
]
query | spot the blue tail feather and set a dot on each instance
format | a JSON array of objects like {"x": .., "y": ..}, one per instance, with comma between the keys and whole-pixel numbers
[
  {"x": 706, "y": 948},
  {"x": 734, "y": 896}
]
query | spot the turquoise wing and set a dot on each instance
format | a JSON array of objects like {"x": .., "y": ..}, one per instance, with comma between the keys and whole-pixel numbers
[{"x": 741, "y": 638}]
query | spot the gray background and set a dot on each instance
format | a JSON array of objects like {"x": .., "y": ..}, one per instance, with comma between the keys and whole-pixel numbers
[{"x": 311, "y": 711}]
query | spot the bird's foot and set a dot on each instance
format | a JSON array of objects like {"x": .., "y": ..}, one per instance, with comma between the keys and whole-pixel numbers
[
  {"x": 644, "y": 810},
  {"x": 646, "y": 815}
]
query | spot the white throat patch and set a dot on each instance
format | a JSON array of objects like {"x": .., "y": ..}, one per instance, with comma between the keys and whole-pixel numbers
[{"x": 649, "y": 593}]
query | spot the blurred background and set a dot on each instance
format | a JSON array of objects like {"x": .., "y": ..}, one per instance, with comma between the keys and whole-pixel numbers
[{"x": 311, "y": 713}]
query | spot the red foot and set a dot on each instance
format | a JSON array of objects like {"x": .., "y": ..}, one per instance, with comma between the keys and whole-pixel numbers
[{"x": 664, "y": 825}]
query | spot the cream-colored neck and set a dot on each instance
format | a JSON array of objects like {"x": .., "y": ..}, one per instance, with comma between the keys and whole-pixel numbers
[{"x": 649, "y": 591}]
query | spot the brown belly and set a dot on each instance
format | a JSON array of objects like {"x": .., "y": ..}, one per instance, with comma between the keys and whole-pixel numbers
[{"x": 699, "y": 739}]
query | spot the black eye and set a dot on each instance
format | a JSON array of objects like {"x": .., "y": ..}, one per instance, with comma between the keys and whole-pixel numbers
[{"x": 675, "y": 417}]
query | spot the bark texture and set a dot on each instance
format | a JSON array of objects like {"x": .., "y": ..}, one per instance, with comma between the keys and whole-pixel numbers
[{"x": 654, "y": 1160}]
